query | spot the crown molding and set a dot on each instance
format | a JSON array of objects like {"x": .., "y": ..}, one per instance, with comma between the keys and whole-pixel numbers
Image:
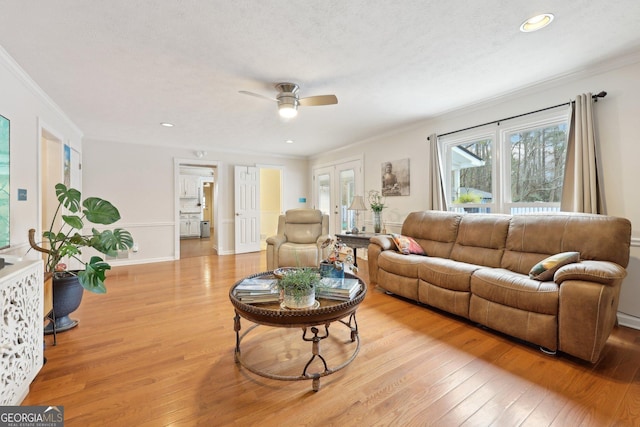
[{"x": 15, "y": 69}]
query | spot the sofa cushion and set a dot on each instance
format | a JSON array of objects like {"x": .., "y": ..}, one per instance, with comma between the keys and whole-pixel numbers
[
  {"x": 401, "y": 265},
  {"x": 481, "y": 239},
  {"x": 435, "y": 231},
  {"x": 407, "y": 245},
  {"x": 545, "y": 269},
  {"x": 532, "y": 238},
  {"x": 515, "y": 290},
  {"x": 295, "y": 254},
  {"x": 446, "y": 273}
]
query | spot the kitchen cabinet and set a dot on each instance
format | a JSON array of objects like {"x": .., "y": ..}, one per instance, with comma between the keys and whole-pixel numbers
[
  {"x": 190, "y": 225},
  {"x": 189, "y": 186}
]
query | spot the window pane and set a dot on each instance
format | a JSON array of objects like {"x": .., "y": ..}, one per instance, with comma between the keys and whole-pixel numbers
[
  {"x": 537, "y": 164},
  {"x": 324, "y": 193},
  {"x": 471, "y": 172},
  {"x": 347, "y": 191}
]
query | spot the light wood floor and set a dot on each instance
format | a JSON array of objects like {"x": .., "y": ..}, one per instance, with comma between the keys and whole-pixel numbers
[
  {"x": 195, "y": 246},
  {"x": 157, "y": 350}
]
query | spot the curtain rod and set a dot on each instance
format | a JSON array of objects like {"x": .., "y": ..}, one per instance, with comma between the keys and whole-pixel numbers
[{"x": 595, "y": 97}]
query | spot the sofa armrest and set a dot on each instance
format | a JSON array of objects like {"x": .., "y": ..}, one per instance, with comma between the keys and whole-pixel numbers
[
  {"x": 273, "y": 245},
  {"x": 377, "y": 245},
  {"x": 587, "y": 313},
  {"x": 276, "y": 240},
  {"x": 604, "y": 272},
  {"x": 323, "y": 253},
  {"x": 385, "y": 242}
]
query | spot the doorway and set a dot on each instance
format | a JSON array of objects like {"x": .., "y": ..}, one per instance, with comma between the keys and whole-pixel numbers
[
  {"x": 57, "y": 163},
  {"x": 197, "y": 185},
  {"x": 271, "y": 184},
  {"x": 334, "y": 189}
]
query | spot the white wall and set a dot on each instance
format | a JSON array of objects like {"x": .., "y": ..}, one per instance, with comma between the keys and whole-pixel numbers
[
  {"x": 618, "y": 117},
  {"x": 139, "y": 180},
  {"x": 28, "y": 109}
]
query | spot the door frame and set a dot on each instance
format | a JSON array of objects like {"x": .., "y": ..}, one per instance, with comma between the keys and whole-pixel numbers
[
  {"x": 280, "y": 168},
  {"x": 334, "y": 167},
  {"x": 217, "y": 192},
  {"x": 50, "y": 134}
]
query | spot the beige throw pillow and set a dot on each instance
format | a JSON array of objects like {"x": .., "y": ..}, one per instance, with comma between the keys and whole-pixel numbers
[{"x": 545, "y": 269}]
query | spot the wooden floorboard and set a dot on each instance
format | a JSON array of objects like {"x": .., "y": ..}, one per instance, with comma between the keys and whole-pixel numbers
[{"x": 157, "y": 350}]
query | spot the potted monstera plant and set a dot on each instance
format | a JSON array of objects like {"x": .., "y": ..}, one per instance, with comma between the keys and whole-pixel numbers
[{"x": 64, "y": 240}]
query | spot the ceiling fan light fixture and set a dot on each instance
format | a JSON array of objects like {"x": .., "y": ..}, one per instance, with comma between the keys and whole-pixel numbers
[
  {"x": 287, "y": 107},
  {"x": 536, "y": 23},
  {"x": 288, "y": 100}
]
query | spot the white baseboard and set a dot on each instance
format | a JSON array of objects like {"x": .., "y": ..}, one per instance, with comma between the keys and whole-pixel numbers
[
  {"x": 629, "y": 321},
  {"x": 131, "y": 261}
]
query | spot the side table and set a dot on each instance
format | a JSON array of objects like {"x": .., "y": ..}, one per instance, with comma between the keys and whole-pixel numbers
[{"x": 355, "y": 241}]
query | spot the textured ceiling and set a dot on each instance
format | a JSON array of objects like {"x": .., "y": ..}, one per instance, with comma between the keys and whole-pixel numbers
[{"x": 121, "y": 67}]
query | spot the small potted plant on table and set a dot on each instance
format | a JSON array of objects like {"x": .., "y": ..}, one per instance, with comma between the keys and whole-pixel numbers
[{"x": 298, "y": 286}]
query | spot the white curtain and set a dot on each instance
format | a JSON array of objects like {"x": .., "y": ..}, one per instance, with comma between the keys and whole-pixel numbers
[
  {"x": 437, "y": 199},
  {"x": 582, "y": 191}
]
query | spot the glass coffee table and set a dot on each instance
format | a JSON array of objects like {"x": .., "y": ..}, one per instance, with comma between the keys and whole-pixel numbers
[{"x": 314, "y": 323}]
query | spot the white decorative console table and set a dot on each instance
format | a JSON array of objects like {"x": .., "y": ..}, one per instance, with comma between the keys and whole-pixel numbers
[{"x": 21, "y": 324}]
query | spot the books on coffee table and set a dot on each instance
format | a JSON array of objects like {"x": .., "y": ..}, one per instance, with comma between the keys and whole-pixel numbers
[
  {"x": 338, "y": 288},
  {"x": 255, "y": 290}
]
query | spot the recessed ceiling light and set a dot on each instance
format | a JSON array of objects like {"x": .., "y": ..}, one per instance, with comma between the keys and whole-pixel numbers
[
  {"x": 167, "y": 125},
  {"x": 536, "y": 23},
  {"x": 289, "y": 141}
]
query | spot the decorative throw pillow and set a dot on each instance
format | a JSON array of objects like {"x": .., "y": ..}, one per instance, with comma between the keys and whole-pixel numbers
[
  {"x": 545, "y": 269},
  {"x": 407, "y": 245}
]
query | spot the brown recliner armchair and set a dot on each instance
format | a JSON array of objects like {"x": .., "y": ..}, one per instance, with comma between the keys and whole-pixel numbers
[{"x": 301, "y": 233}]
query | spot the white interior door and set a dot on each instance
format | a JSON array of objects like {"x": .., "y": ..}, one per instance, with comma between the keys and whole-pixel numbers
[
  {"x": 247, "y": 208},
  {"x": 334, "y": 189}
]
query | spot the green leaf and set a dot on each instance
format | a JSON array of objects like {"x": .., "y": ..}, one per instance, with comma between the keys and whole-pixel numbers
[
  {"x": 68, "y": 249},
  {"x": 49, "y": 236},
  {"x": 99, "y": 211},
  {"x": 69, "y": 197},
  {"x": 110, "y": 242},
  {"x": 73, "y": 221},
  {"x": 94, "y": 275},
  {"x": 77, "y": 239}
]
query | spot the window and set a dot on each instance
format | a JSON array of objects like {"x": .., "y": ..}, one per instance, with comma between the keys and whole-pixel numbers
[{"x": 515, "y": 167}]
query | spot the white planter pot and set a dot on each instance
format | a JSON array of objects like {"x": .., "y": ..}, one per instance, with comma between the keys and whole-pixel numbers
[{"x": 299, "y": 301}]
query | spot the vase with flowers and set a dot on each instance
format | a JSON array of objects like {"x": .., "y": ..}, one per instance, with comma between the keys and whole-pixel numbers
[{"x": 376, "y": 202}]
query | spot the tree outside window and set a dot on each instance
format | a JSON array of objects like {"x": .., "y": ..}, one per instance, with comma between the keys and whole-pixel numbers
[{"x": 526, "y": 176}]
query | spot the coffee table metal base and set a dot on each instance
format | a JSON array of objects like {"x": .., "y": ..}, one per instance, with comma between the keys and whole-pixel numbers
[{"x": 309, "y": 334}]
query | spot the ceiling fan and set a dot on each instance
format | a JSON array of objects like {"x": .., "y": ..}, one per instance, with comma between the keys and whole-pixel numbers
[{"x": 288, "y": 99}]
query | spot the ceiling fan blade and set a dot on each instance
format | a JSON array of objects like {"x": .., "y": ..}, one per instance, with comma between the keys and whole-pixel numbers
[
  {"x": 257, "y": 95},
  {"x": 318, "y": 100}
]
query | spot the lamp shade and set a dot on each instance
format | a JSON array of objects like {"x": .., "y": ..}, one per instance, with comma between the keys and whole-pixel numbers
[{"x": 357, "y": 204}]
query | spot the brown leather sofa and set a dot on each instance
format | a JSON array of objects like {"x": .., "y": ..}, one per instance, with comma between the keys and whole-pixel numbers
[{"x": 477, "y": 267}]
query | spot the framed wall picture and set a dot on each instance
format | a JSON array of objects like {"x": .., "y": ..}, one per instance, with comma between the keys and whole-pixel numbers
[
  {"x": 5, "y": 194},
  {"x": 395, "y": 178},
  {"x": 67, "y": 165}
]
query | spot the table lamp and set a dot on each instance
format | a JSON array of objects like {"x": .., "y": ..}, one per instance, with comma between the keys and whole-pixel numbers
[{"x": 357, "y": 204}]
